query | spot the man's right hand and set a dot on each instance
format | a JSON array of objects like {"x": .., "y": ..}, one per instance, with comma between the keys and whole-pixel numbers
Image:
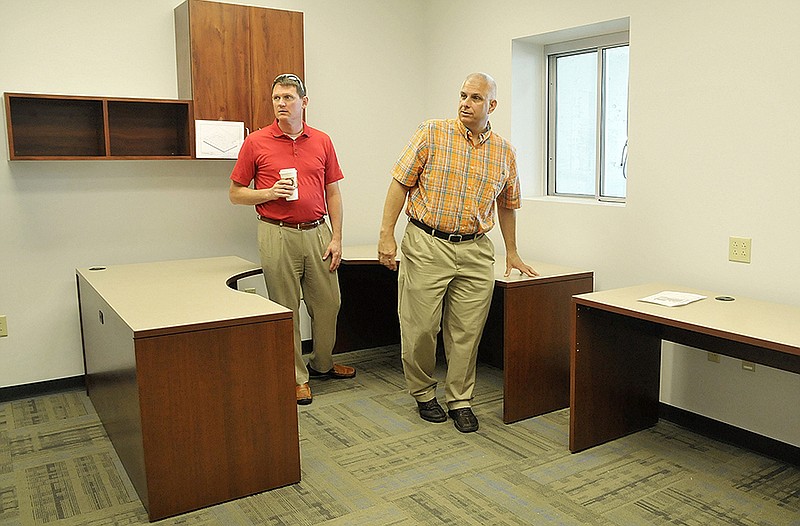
[
  {"x": 282, "y": 188},
  {"x": 387, "y": 252}
]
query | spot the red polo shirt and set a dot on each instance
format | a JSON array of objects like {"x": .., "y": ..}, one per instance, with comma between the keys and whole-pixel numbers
[{"x": 267, "y": 151}]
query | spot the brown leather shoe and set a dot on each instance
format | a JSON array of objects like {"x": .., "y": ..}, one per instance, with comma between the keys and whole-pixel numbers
[
  {"x": 303, "y": 394},
  {"x": 337, "y": 372}
]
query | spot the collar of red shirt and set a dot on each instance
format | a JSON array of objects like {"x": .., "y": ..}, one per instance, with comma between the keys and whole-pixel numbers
[{"x": 277, "y": 132}]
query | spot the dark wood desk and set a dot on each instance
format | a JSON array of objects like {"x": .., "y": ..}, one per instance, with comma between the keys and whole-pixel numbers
[
  {"x": 193, "y": 381},
  {"x": 527, "y": 332},
  {"x": 616, "y": 351}
]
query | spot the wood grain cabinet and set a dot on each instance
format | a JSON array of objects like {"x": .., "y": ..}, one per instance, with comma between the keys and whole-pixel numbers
[
  {"x": 228, "y": 55},
  {"x": 63, "y": 127},
  {"x": 192, "y": 380}
]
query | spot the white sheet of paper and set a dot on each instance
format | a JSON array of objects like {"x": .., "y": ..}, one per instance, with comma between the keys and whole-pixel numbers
[
  {"x": 218, "y": 139},
  {"x": 671, "y": 298}
]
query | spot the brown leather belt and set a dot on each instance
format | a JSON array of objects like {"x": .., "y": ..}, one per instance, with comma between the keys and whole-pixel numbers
[{"x": 296, "y": 226}]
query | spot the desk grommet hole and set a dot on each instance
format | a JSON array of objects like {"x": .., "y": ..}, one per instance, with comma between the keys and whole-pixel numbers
[
  {"x": 94, "y": 269},
  {"x": 725, "y": 298}
]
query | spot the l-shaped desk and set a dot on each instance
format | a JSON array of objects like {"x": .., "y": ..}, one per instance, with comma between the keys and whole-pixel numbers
[
  {"x": 192, "y": 380},
  {"x": 616, "y": 350},
  {"x": 179, "y": 365},
  {"x": 527, "y": 333}
]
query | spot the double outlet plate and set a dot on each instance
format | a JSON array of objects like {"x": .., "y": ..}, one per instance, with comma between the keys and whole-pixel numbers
[{"x": 739, "y": 249}]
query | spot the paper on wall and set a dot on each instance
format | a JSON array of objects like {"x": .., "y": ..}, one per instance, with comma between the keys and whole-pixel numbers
[{"x": 218, "y": 139}]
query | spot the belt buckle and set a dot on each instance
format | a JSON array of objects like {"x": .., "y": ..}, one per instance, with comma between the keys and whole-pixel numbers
[{"x": 454, "y": 238}]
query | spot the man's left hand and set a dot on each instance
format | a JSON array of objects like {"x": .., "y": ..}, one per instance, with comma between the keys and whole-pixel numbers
[{"x": 515, "y": 262}]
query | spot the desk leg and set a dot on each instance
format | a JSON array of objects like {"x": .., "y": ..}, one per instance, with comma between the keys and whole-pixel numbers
[
  {"x": 614, "y": 376},
  {"x": 528, "y": 328}
]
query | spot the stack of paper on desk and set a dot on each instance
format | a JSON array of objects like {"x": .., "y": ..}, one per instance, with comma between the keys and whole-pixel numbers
[{"x": 672, "y": 299}]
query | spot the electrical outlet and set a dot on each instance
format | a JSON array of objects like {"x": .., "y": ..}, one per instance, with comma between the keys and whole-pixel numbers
[
  {"x": 713, "y": 357},
  {"x": 739, "y": 249},
  {"x": 3, "y": 326},
  {"x": 251, "y": 291}
]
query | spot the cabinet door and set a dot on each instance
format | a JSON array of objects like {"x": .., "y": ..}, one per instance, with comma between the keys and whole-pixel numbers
[
  {"x": 220, "y": 61},
  {"x": 276, "y": 40}
]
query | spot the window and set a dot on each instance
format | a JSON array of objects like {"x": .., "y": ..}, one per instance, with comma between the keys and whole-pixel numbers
[{"x": 587, "y": 117}]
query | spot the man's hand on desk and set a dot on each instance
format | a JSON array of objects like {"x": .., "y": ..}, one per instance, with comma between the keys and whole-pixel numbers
[{"x": 513, "y": 261}]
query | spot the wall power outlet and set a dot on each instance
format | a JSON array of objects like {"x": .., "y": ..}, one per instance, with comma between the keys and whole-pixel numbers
[{"x": 739, "y": 249}]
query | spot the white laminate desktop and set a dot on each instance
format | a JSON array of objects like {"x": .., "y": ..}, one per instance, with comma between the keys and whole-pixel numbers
[
  {"x": 157, "y": 296},
  {"x": 368, "y": 254},
  {"x": 770, "y": 325}
]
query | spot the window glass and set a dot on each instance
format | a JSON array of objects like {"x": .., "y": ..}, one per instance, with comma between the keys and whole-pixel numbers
[
  {"x": 576, "y": 124},
  {"x": 615, "y": 121},
  {"x": 587, "y": 131}
]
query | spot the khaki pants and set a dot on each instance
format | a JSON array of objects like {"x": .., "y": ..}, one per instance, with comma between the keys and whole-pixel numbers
[
  {"x": 293, "y": 265},
  {"x": 447, "y": 285}
]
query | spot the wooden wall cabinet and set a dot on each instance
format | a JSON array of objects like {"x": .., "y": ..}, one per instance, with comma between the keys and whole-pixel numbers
[
  {"x": 228, "y": 56},
  {"x": 62, "y": 127}
]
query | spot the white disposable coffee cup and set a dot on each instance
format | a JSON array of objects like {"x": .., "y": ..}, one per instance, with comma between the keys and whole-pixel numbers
[{"x": 291, "y": 174}]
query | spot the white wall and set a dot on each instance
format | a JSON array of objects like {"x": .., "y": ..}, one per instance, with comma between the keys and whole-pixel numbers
[
  {"x": 714, "y": 152},
  {"x": 56, "y": 216}
]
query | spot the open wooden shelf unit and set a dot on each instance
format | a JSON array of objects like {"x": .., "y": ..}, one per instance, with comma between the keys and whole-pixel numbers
[{"x": 65, "y": 127}]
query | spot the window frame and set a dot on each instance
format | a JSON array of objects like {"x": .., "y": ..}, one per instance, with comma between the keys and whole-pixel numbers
[{"x": 552, "y": 52}]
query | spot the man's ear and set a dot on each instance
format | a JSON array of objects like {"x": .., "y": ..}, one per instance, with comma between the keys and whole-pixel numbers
[{"x": 492, "y": 105}]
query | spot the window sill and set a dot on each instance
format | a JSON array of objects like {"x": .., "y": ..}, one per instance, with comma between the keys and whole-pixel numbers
[{"x": 574, "y": 200}]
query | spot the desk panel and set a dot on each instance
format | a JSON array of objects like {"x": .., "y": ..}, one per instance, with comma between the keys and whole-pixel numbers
[
  {"x": 193, "y": 381},
  {"x": 528, "y": 326},
  {"x": 616, "y": 351}
]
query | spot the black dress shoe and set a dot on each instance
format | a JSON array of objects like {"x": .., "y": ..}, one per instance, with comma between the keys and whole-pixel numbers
[
  {"x": 464, "y": 419},
  {"x": 431, "y": 411}
]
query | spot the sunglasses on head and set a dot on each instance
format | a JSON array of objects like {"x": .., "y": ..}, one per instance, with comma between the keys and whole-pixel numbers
[{"x": 283, "y": 77}]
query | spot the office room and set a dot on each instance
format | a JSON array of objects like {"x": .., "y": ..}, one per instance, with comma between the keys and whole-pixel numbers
[{"x": 713, "y": 153}]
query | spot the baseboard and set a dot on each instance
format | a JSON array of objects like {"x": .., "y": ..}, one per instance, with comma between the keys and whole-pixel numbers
[
  {"x": 16, "y": 392},
  {"x": 729, "y": 434}
]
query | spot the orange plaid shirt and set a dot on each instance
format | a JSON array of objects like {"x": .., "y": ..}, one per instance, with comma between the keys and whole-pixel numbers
[{"x": 454, "y": 185}]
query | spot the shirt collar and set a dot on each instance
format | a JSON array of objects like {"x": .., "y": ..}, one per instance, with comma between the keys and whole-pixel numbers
[
  {"x": 277, "y": 132},
  {"x": 467, "y": 133}
]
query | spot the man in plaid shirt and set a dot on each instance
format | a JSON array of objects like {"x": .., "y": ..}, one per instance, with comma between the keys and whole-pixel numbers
[{"x": 454, "y": 172}]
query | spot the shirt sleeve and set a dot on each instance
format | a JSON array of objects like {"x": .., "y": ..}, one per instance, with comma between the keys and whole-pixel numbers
[
  {"x": 333, "y": 172},
  {"x": 412, "y": 161},
  {"x": 510, "y": 196},
  {"x": 245, "y": 169}
]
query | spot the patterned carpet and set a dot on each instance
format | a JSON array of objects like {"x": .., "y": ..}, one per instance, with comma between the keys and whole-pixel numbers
[{"x": 367, "y": 458}]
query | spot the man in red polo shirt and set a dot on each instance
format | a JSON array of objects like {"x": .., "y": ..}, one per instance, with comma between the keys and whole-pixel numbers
[{"x": 295, "y": 176}]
